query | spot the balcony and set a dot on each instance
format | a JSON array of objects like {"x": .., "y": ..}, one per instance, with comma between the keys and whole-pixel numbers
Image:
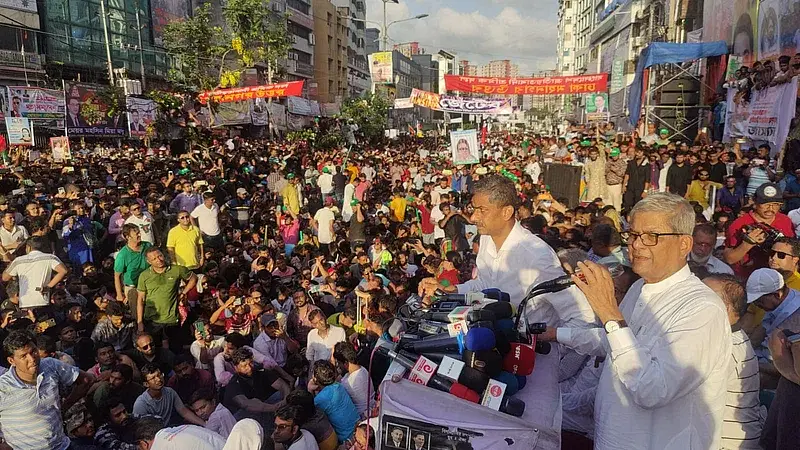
[{"x": 305, "y": 69}]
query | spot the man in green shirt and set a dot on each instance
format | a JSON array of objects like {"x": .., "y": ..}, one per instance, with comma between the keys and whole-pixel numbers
[
  {"x": 158, "y": 297},
  {"x": 128, "y": 264}
]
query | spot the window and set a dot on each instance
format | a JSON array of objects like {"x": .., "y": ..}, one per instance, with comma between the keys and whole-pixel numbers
[
  {"x": 302, "y": 56},
  {"x": 300, "y": 6},
  {"x": 566, "y": 52},
  {"x": 12, "y": 39},
  {"x": 298, "y": 30}
]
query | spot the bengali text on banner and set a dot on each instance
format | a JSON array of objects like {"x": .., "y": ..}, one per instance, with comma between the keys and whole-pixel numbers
[
  {"x": 580, "y": 84},
  {"x": 286, "y": 89},
  {"x": 767, "y": 115},
  {"x": 452, "y": 104}
]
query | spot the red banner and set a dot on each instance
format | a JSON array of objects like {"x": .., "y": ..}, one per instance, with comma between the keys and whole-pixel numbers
[
  {"x": 580, "y": 84},
  {"x": 287, "y": 89}
]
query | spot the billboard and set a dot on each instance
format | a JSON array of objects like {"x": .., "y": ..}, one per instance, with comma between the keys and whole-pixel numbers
[
  {"x": 87, "y": 115},
  {"x": 141, "y": 113},
  {"x": 45, "y": 107},
  {"x": 285, "y": 89},
  {"x": 380, "y": 67},
  {"x": 452, "y": 104}
]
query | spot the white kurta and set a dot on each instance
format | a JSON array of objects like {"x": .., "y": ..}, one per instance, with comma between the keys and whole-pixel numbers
[{"x": 664, "y": 384}]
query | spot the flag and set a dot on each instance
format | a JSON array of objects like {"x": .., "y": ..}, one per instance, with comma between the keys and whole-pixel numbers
[{"x": 411, "y": 130}]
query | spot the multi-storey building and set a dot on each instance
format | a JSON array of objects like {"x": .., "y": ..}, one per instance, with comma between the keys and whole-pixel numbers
[
  {"x": 330, "y": 52},
  {"x": 20, "y": 60},
  {"x": 502, "y": 68},
  {"x": 358, "y": 79},
  {"x": 409, "y": 49},
  {"x": 447, "y": 65}
]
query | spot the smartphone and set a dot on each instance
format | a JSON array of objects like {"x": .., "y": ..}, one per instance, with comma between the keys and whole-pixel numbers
[
  {"x": 20, "y": 191},
  {"x": 85, "y": 173},
  {"x": 61, "y": 191},
  {"x": 237, "y": 302},
  {"x": 45, "y": 325},
  {"x": 170, "y": 173},
  {"x": 200, "y": 326}
]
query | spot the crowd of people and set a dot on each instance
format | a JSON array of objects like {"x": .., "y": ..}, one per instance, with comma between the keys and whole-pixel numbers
[{"x": 230, "y": 297}]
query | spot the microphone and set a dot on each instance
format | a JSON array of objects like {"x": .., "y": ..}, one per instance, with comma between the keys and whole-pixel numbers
[
  {"x": 455, "y": 370},
  {"x": 436, "y": 382},
  {"x": 476, "y": 339},
  {"x": 554, "y": 285},
  {"x": 487, "y": 361},
  {"x": 510, "y": 380},
  {"x": 520, "y": 360},
  {"x": 500, "y": 309}
]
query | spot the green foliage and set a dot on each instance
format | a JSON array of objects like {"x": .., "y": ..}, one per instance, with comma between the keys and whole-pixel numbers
[
  {"x": 258, "y": 35},
  {"x": 114, "y": 99},
  {"x": 369, "y": 113},
  {"x": 196, "y": 45},
  {"x": 165, "y": 101},
  {"x": 301, "y": 135}
]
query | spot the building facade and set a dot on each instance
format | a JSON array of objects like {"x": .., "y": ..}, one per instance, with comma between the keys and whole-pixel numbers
[
  {"x": 447, "y": 64},
  {"x": 330, "y": 52},
  {"x": 358, "y": 80},
  {"x": 409, "y": 49},
  {"x": 20, "y": 60},
  {"x": 502, "y": 68}
]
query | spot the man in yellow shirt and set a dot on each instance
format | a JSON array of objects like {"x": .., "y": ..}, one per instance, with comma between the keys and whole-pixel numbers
[
  {"x": 398, "y": 207},
  {"x": 185, "y": 243},
  {"x": 291, "y": 198}
]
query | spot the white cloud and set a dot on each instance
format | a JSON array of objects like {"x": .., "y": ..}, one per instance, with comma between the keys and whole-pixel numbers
[{"x": 528, "y": 39}]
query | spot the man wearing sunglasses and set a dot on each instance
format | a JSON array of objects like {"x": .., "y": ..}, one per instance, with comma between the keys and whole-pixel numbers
[{"x": 746, "y": 252}]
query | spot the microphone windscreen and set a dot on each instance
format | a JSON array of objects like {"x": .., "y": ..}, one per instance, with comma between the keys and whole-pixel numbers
[
  {"x": 463, "y": 392},
  {"x": 520, "y": 360},
  {"x": 513, "y": 406},
  {"x": 502, "y": 343},
  {"x": 522, "y": 381},
  {"x": 479, "y": 315},
  {"x": 473, "y": 379},
  {"x": 501, "y": 310},
  {"x": 543, "y": 347},
  {"x": 479, "y": 339},
  {"x": 505, "y": 324},
  {"x": 512, "y": 385},
  {"x": 488, "y": 361},
  {"x": 497, "y": 294}
]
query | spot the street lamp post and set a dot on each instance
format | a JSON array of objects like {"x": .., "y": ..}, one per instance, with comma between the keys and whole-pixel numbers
[
  {"x": 384, "y": 27},
  {"x": 139, "y": 28},
  {"x": 108, "y": 46}
]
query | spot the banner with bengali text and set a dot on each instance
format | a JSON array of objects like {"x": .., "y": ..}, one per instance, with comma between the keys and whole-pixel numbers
[
  {"x": 287, "y": 89},
  {"x": 45, "y": 107},
  {"x": 20, "y": 131},
  {"x": 580, "y": 84},
  {"x": 87, "y": 114},
  {"x": 452, "y": 104},
  {"x": 766, "y": 117}
]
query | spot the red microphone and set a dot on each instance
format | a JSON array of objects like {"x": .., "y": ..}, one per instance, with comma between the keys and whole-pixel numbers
[
  {"x": 465, "y": 393},
  {"x": 520, "y": 360}
]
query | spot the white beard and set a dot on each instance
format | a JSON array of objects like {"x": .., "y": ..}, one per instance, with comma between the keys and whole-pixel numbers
[{"x": 699, "y": 260}]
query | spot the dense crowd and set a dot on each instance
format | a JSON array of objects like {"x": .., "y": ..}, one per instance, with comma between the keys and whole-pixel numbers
[{"x": 231, "y": 296}]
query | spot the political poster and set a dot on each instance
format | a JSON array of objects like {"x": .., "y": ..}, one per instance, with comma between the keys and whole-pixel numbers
[
  {"x": 284, "y": 89},
  {"x": 141, "y": 114},
  {"x": 20, "y": 131},
  {"x": 464, "y": 147},
  {"x": 87, "y": 115},
  {"x": 380, "y": 67},
  {"x": 59, "y": 145},
  {"x": 597, "y": 103},
  {"x": 769, "y": 31},
  {"x": 300, "y": 106},
  {"x": 259, "y": 112},
  {"x": 766, "y": 117},
  {"x": 232, "y": 113},
  {"x": 45, "y": 107}
]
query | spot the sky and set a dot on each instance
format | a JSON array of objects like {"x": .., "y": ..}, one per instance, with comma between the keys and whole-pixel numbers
[{"x": 523, "y": 31}]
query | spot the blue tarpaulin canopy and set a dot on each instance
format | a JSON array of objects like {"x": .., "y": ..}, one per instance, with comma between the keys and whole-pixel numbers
[{"x": 663, "y": 53}]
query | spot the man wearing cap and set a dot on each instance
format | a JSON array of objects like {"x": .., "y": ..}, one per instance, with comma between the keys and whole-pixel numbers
[
  {"x": 615, "y": 174},
  {"x": 240, "y": 207},
  {"x": 325, "y": 182},
  {"x": 273, "y": 340},
  {"x": 745, "y": 252},
  {"x": 290, "y": 194},
  {"x": 663, "y": 137},
  {"x": 767, "y": 290}
]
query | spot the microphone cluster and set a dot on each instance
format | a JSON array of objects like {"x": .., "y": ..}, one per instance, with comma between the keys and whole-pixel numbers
[{"x": 469, "y": 347}]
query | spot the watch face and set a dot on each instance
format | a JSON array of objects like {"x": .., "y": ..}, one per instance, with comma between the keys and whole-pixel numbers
[{"x": 611, "y": 326}]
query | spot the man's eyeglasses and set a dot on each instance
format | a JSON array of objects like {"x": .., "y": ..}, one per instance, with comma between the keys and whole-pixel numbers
[
  {"x": 781, "y": 255},
  {"x": 647, "y": 239},
  {"x": 183, "y": 218},
  {"x": 146, "y": 346}
]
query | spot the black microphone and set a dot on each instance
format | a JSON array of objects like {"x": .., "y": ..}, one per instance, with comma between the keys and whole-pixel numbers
[{"x": 555, "y": 285}]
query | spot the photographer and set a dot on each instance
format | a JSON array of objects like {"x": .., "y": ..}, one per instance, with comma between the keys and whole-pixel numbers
[{"x": 749, "y": 238}]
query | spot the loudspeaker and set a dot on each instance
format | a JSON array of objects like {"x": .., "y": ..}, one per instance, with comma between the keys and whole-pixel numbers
[
  {"x": 680, "y": 98},
  {"x": 687, "y": 84},
  {"x": 564, "y": 182}
]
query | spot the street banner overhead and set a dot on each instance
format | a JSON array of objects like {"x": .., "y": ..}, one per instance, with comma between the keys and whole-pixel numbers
[
  {"x": 580, "y": 84},
  {"x": 287, "y": 89},
  {"x": 452, "y": 104},
  {"x": 380, "y": 67}
]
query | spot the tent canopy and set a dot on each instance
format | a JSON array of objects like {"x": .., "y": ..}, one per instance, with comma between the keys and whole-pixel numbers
[{"x": 663, "y": 53}]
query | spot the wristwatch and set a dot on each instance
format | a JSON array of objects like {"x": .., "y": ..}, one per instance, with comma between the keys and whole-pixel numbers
[{"x": 614, "y": 325}]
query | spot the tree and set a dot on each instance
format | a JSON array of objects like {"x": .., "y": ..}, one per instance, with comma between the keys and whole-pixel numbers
[
  {"x": 258, "y": 35},
  {"x": 196, "y": 45},
  {"x": 369, "y": 113}
]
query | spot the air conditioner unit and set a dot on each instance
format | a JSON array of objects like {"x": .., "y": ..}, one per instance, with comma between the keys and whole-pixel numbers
[
  {"x": 294, "y": 39},
  {"x": 312, "y": 39},
  {"x": 293, "y": 56},
  {"x": 278, "y": 6}
]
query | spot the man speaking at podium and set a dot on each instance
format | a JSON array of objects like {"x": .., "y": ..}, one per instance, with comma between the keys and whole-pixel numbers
[{"x": 513, "y": 260}]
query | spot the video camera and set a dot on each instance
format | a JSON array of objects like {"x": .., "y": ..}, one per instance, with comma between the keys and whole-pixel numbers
[{"x": 771, "y": 233}]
